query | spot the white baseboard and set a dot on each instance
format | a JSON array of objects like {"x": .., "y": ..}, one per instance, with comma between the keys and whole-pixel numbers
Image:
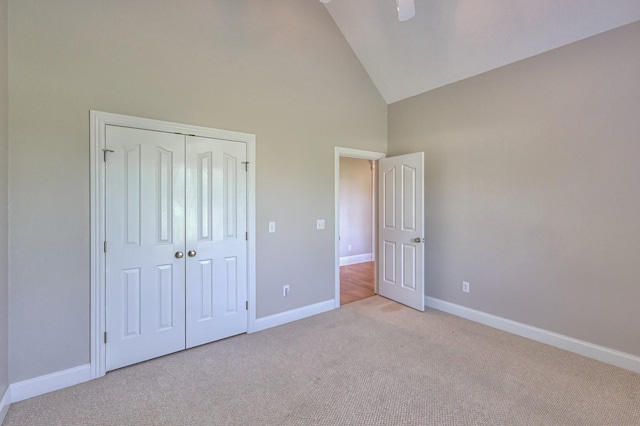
[
  {"x": 49, "y": 383},
  {"x": 293, "y": 315},
  {"x": 357, "y": 258},
  {"x": 5, "y": 402},
  {"x": 580, "y": 347}
]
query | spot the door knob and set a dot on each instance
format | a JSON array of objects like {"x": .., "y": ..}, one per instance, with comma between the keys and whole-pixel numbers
[
  {"x": 417, "y": 240},
  {"x": 191, "y": 253},
  {"x": 179, "y": 254}
]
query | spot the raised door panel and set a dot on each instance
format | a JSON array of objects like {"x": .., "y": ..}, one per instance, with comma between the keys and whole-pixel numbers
[
  {"x": 408, "y": 204},
  {"x": 408, "y": 262},
  {"x": 389, "y": 261},
  {"x": 145, "y": 228},
  {"x": 216, "y": 231},
  {"x": 205, "y": 298},
  {"x": 389, "y": 256},
  {"x": 388, "y": 190},
  {"x": 204, "y": 206},
  {"x": 131, "y": 310}
]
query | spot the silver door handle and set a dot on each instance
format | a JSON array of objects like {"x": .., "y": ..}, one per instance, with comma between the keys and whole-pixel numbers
[
  {"x": 179, "y": 254},
  {"x": 191, "y": 253},
  {"x": 418, "y": 240}
]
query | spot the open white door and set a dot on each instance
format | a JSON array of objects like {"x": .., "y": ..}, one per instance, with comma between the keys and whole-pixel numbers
[{"x": 401, "y": 229}]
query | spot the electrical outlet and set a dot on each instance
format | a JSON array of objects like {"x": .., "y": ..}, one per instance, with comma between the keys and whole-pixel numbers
[
  {"x": 320, "y": 224},
  {"x": 465, "y": 286},
  {"x": 285, "y": 290}
]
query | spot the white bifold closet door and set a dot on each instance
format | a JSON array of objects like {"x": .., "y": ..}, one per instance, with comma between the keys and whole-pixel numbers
[{"x": 176, "y": 251}]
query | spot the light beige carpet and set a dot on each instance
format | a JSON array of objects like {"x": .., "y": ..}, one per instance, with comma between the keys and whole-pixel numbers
[{"x": 372, "y": 362}]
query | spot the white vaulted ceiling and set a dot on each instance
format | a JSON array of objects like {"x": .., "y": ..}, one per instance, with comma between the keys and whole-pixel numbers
[{"x": 450, "y": 40}]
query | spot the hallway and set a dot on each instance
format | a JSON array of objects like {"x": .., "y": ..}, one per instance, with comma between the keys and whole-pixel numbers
[{"x": 357, "y": 282}]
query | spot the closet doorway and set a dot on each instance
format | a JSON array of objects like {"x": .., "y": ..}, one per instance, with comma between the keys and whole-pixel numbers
[{"x": 173, "y": 225}]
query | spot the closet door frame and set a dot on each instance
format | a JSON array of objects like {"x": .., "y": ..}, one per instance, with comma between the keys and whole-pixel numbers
[{"x": 98, "y": 123}]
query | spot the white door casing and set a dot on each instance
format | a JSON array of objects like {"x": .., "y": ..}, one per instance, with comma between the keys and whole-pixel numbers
[
  {"x": 100, "y": 155},
  {"x": 216, "y": 236},
  {"x": 401, "y": 229}
]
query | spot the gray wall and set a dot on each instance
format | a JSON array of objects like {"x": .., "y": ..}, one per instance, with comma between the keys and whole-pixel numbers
[
  {"x": 532, "y": 188},
  {"x": 279, "y": 69},
  {"x": 4, "y": 296},
  {"x": 355, "y": 206}
]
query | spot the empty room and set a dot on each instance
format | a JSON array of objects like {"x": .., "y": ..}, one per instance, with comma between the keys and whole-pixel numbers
[{"x": 174, "y": 216}]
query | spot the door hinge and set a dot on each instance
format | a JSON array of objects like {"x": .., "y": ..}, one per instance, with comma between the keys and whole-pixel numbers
[
  {"x": 105, "y": 247},
  {"x": 105, "y": 337},
  {"x": 246, "y": 166},
  {"x": 246, "y": 236},
  {"x": 104, "y": 153},
  {"x": 246, "y": 304}
]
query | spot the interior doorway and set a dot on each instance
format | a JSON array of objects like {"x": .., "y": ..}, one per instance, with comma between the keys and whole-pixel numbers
[
  {"x": 357, "y": 246},
  {"x": 356, "y": 224}
]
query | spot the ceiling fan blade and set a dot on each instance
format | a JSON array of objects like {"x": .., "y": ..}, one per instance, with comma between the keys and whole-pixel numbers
[{"x": 406, "y": 9}]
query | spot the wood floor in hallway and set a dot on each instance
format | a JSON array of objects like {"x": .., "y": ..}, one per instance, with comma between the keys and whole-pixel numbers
[{"x": 356, "y": 282}]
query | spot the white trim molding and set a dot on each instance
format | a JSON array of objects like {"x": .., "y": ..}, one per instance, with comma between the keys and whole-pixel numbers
[
  {"x": 293, "y": 315},
  {"x": 98, "y": 123},
  {"x": 356, "y": 258},
  {"x": 580, "y": 347},
  {"x": 49, "y": 383},
  {"x": 352, "y": 153},
  {"x": 5, "y": 403}
]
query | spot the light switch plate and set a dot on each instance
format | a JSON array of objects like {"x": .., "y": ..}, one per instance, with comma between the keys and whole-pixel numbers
[
  {"x": 320, "y": 224},
  {"x": 272, "y": 227}
]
